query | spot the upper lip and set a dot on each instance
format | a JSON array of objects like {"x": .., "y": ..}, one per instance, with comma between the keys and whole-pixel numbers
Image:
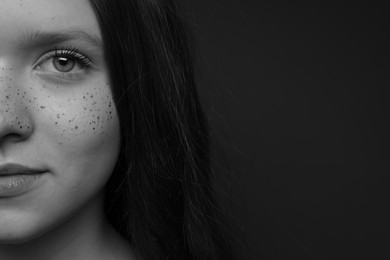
[{"x": 17, "y": 169}]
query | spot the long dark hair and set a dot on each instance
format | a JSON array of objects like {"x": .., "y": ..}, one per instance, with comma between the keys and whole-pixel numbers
[{"x": 160, "y": 196}]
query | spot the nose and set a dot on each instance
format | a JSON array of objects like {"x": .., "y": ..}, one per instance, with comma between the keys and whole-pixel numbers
[{"x": 15, "y": 122}]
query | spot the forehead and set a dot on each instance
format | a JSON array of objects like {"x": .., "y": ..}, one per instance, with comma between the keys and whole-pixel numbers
[{"x": 19, "y": 16}]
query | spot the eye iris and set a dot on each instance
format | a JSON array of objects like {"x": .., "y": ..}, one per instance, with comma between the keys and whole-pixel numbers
[{"x": 63, "y": 64}]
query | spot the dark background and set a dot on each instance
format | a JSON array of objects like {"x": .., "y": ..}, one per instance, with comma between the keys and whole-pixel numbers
[{"x": 297, "y": 97}]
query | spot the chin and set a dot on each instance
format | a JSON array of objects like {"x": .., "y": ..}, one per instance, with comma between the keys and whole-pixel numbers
[{"x": 18, "y": 231}]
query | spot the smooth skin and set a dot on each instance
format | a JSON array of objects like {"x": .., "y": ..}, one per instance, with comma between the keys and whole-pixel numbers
[{"x": 57, "y": 114}]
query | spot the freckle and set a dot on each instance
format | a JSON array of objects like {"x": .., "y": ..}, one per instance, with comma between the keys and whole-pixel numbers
[
  {"x": 43, "y": 107},
  {"x": 7, "y": 97},
  {"x": 76, "y": 127}
]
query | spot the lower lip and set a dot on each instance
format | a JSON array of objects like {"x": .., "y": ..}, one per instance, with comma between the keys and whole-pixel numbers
[{"x": 14, "y": 185}]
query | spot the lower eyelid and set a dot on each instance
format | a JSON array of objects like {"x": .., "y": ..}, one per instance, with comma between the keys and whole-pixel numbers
[{"x": 62, "y": 78}]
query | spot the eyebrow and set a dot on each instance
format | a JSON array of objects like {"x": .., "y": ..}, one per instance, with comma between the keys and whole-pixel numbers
[{"x": 37, "y": 37}]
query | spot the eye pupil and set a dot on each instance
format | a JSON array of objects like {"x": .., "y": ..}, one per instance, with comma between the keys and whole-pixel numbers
[
  {"x": 62, "y": 61},
  {"x": 63, "y": 64}
]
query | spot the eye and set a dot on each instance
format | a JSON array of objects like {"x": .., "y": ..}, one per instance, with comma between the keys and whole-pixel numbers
[{"x": 63, "y": 62}]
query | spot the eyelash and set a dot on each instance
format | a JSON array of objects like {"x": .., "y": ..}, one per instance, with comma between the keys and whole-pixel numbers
[{"x": 71, "y": 53}]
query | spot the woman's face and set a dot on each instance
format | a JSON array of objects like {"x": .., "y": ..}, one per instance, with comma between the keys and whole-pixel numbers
[{"x": 59, "y": 130}]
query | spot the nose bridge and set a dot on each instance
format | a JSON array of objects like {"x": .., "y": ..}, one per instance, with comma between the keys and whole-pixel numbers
[
  {"x": 6, "y": 79},
  {"x": 14, "y": 113},
  {"x": 7, "y": 87}
]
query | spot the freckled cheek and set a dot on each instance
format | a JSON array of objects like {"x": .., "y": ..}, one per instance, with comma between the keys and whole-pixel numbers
[{"x": 90, "y": 117}]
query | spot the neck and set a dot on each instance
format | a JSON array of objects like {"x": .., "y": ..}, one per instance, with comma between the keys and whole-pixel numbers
[{"x": 86, "y": 235}]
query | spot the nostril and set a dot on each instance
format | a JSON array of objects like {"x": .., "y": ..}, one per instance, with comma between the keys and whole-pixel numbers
[
  {"x": 11, "y": 137},
  {"x": 13, "y": 129},
  {"x": 14, "y": 134}
]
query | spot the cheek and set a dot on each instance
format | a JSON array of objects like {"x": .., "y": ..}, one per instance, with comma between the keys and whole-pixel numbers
[
  {"x": 83, "y": 119},
  {"x": 79, "y": 131},
  {"x": 80, "y": 139}
]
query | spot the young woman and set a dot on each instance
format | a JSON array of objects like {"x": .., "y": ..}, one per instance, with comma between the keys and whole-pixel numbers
[{"x": 104, "y": 148}]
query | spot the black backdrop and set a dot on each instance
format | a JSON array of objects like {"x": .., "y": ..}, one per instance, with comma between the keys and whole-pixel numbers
[{"x": 297, "y": 97}]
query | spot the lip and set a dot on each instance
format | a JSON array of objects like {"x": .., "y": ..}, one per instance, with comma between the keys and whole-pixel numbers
[
  {"x": 16, "y": 179},
  {"x": 17, "y": 169}
]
